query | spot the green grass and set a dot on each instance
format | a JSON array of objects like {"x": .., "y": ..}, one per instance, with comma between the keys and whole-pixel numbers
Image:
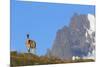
[{"x": 25, "y": 59}]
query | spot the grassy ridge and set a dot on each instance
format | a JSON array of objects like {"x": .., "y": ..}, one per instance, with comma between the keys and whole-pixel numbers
[{"x": 24, "y": 59}]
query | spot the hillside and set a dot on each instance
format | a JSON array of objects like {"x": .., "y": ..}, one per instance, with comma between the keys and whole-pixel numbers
[{"x": 26, "y": 59}]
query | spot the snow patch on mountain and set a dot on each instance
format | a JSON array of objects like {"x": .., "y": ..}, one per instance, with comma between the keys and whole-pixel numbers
[{"x": 91, "y": 19}]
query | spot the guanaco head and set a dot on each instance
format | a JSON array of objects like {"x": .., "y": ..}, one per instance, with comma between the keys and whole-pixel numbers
[{"x": 27, "y": 35}]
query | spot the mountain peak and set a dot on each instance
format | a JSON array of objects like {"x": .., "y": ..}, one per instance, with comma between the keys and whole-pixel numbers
[{"x": 76, "y": 40}]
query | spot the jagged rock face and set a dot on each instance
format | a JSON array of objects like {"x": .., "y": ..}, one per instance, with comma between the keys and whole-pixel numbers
[
  {"x": 76, "y": 40},
  {"x": 81, "y": 40},
  {"x": 61, "y": 43}
]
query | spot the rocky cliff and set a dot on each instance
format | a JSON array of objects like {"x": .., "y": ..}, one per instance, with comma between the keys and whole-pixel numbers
[{"x": 77, "y": 39}]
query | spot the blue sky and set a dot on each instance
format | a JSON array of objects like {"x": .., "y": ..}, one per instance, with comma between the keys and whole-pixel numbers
[{"x": 41, "y": 21}]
